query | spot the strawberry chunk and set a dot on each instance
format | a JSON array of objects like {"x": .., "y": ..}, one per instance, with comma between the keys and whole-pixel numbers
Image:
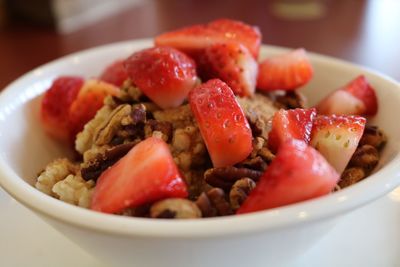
[
  {"x": 164, "y": 74},
  {"x": 341, "y": 102},
  {"x": 291, "y": 124},
  {"x": 115, "y": 73},
  {"x": 337, "y": 137},
  {"x": 297, "y": 173},
  {"x": 285, "y": 72},
  {"x": 54, "y": 112},
  {"x": 233, "y": 64},
  {"x": 89, "y": 100},
  {"x": 355, "y": 98},
  {"x": 223, "y": 125},
  {"x": 196, "y": 38},
  {"x": 144, "y": 175},
  {"x": 361, "y": 89}
]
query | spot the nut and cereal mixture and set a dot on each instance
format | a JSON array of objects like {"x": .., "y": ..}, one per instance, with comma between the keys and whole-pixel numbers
[{"x": 129, "y": 118}]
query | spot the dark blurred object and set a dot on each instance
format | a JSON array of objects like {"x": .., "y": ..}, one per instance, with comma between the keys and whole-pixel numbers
[
  {"x": 64, "y": 16},
  {"x": 3, "y": 16},
  {"x": 37, "y": 12}
]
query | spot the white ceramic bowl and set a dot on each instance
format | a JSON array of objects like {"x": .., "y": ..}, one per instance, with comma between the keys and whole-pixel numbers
[{"x": 268, "y": 238}]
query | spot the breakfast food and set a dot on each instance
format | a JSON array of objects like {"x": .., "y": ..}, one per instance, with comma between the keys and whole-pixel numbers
[{"x": 195, "y": 127}]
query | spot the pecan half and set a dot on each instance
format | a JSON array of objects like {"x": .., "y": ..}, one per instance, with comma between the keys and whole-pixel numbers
[
  {"x": 260, "y": 148},
  {"x": 239, "y": 192},
  {"x": 92, "y": 169},
  {"x": 175, "y": 208},
  {"x": 373, "y": 136},
  {"x": 213, "y": 203},
  {"x": 366, "y": 157},
  {"x": 224, "y": 177},
  {"x": 351, "y": 176},
  {"x": 256, "y": 163}
]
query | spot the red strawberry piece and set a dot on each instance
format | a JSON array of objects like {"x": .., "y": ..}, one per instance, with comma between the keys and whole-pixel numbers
[
  {"x": 337, "y": 137},
  {"x": 55, "y": 106},
  {"x": 89, "y": 100},
  {"x": 285, "y": 72},
  {"x": 222, "y": 123},
  {"x": 341, "y": 102},
  {"x": 164, "y": 74},
  {"x": 355, "y": 98},
  {"x": 291, "y": 124},
  {"x": 146, "y": 174},
  {"x": 233, "y": 64},
  {"x": 115, "y": 73},
  {"x": 361, "y": 89},
  {"x": 297, "y": 173},
  {"x": 196, "y": 38}
]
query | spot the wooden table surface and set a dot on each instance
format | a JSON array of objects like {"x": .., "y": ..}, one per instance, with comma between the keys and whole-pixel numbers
[{"x": 364, "y": 32}]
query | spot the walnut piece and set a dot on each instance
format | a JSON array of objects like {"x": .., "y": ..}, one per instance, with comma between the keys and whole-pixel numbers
[
  {"x": 84, "y": 139},
  {"x": 106, "y": 131}
]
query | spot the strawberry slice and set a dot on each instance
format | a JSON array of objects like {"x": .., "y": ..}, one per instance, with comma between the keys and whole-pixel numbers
[
  {"x": 297, "y": 173},
  {"x": 355, "y": 98},
  {"x": 54, "y": 112},
  {"x": 285, "y": 72},
  {"x": 233, "y": 64},
  {"x": 196, "y": 38},
  {"x": 115, "y": 73},
  {"x": 144, "y": 175},
  {"x": 291, "y": 124},
  {"x": 222, "y": 123},
  {"x": 88, "y": 102},
  {"x": 164, "y": 74},
  {"x": 337, "y": 137}
]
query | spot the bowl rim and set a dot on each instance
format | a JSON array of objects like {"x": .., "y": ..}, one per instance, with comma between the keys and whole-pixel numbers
[{"x": 378, "y": 184}]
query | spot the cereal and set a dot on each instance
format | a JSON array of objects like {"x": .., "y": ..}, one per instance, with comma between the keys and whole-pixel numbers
[
  {"x": 73, "y": 189},
  {"x": 54, "y": 172}
]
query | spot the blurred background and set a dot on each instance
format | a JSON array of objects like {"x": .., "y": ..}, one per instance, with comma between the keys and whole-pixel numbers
[{"x": 37, "y": 31}]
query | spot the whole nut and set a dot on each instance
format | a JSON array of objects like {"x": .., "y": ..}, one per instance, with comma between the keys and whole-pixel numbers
[{"x": 175, "y": 208}]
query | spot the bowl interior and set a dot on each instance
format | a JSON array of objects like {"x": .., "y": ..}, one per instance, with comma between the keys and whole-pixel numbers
[{"x": 26, "y": 149}]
